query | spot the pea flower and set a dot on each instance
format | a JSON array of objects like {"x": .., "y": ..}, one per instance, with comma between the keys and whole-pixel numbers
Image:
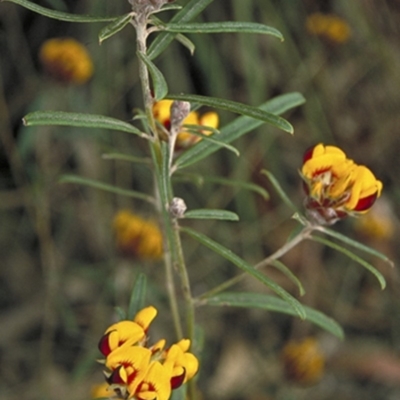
[
  {"x": 138, "y": 371},
  {"x": 336, "y": 186},
  {"x": 137, "y": 237},
  {"x": 303, "y": 361},
  {"x": 67, "y": 60},
  {"x": 162, "y": 113},
  {"x": 329, "y": 27}
]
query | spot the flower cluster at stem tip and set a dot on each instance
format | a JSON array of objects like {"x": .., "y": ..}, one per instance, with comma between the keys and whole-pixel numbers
[
  {"x": 66, "y": 60},
  {"x": 138, "y": 371},
  {"x": 162, "y": 113},
  {"x": 137, "y": 237},
  {"x": 336, "y": 186}
]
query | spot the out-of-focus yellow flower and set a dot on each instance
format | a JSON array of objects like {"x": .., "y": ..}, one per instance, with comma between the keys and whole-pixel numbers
[
  {"x": 329, "y": 27},
  {"x": 336, "y": 186},
  {"x": 101, "y": 390},
  {"x": 137, "y": 237},
  {"x": 378, "y": 223},
  {"x": 162, "y": 113},
  {"x": 144, "y": 373},
  {"x": 303, "y": 361},
  {"x": 67, "y": 60}
]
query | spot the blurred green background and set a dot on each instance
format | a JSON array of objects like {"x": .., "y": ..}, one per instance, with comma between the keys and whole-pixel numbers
[{"x": 60, "y": 275}]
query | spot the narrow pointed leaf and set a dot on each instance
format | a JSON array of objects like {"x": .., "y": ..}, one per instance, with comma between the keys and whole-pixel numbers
[
  {"x": 285, "y": 198},
  {"x": 61, "y": 16},
  {"x": 126, "y": 157},
  {"x": 160, "y": 87},
  {"x": 191, "y": 10},
  {"x": 214, "y": 139},
  {"x": 105, "y": 186},
  {"x": 238, "y": 128},
  {"x": 200, "y": 179},
  {"x": 354, "y": 257},
  {"x": 249, "y": 269},
  {"x": 272, "y": 303},
  {"x": 79, "y": 120},
  {"x": 238, "y": 108},
  {"x": 357, "y": 245},
  {"x": 289, "y": 274},
  {"x": 186, "y": 42},
  {"x": 223, "y": 27},
  {"x": 211, "y": 214},
  {"x": 121, "y": 313},
  {"x": 138, "y": 296},
  {"x": 116, "y": 26}
]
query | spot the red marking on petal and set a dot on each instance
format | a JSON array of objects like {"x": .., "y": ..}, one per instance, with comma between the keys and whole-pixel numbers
[
  {"x": 104, "y": 346},
  {"x": 308, "y": 154},
  {"x": 366, "y": 202},
  {"x": 115, "y": 377},
  {"x": 177, "y": 381},
  {"x": 167, "y": 124}
]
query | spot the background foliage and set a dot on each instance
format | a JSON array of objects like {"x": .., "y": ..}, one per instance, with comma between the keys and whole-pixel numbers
[{"x": 61, "y": 276}]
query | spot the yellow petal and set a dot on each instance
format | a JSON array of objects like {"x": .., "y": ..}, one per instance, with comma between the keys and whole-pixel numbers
[
  {"x": 162, "y": 110},
  {"x": 210, "y": 119},
  {"x": 145, "y": 316},
  {"x": 156, "y": 381}
]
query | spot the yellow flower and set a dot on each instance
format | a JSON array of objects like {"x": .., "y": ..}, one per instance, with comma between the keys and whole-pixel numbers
[
  {"x": 67, "y": 60},
  {"x": 181, "y": 364},
  {"x": 329, "y": 27},
  {"x": 336, "y": 186},
  {"x": 162, "y": 113},
  {"x": 303, "y": 361},
  {"x": 378, "y": 223},
  {"x": 155, "y": 384},
  {"x": 137, "y": 237},
  {"x": 130, "y": 332},
  {"x": 141, "y": 372}
]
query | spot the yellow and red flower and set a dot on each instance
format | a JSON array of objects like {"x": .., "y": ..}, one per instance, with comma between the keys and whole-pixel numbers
[
  {"x": 162, "y": 113},
  {"x": 335, "y": 185},
  {"x": 66, "y": 60},
  {"x": 137, "y": 237},
  {"x": 137, "y": 371}
]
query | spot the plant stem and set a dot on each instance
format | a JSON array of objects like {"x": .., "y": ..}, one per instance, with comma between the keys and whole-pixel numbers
[{"x": 304, "y": 234}]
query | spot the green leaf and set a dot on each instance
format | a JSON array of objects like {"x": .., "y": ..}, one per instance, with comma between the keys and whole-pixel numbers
[
  {"x": 272, "y": 303},
  {"x": 79, "y": 120},
  {"x": 249, "y": 269},
  {"x": 191, "y": 10},
  {"x": 212, "y": 139},
  {"x": 354, "y": 257},
  {"x": 121, "y": 313},
  {"x": 238, "y": 128},
  {"x": 223, "y": 27},
  {"x": 126, "y": 157},
  {"x": 200, "y": 179},
  {"x": 116, "y": 26},
  {"x": 235, "y": 107},
  {"x": 61, "y": 16},
  {"x": 105, "y": 186},
  {"x": 355, "y": 244},
  {"x": 289, "y": 274},
  {"x": 138, "y": 296},
  {"x": 160, "y": 87},
  {"x": 211, "y": 214},
  {"x": 285, "y": 198},
  {"x": 186, "y": 42}
]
